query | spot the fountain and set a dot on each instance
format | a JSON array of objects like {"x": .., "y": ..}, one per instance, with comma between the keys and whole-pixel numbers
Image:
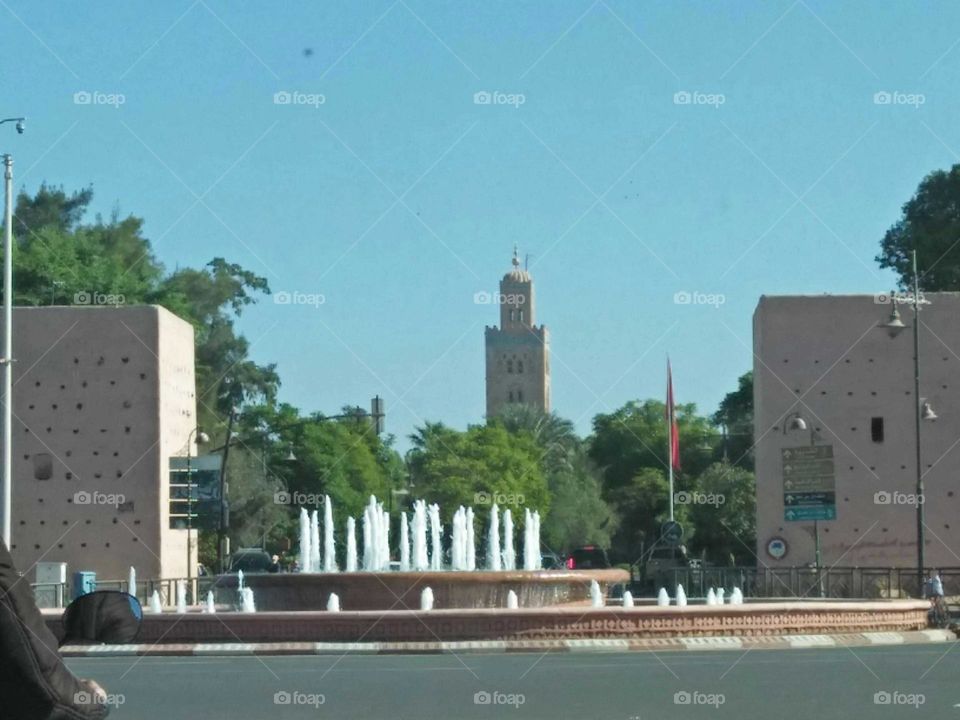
[
  {"x": 329, "y": 547},
  {"x": 181, "y": 596},
  {"x": 333, "y": 603},
  {"x": 711, "y": 597},
  {"x": 211, "y": 607},
  {"x": 736, "y": 597},
  {"x": 531, "y": 541},
  {"x": 512, "y": 602},
  {"x": 509, "y": 554},
  {"x": 351, "y": 545},
  {"x": 132, "y": 581},
  {"x": 155, "y": 605},
  {"x": 663, "y": 599},
  {"x": 681, "y": 597},
  {"x": 404, "y": 543},
  {"x": 596, "y": 595},
  {"x": 720, "y": 596},
  {"x": 426, "y": 599},
  {"x": 628, "y": 599},
  {"x": 420, "y": 561},
  {"x": 493, "y": 540},
  {"x": 304, "y": 541},
  {"x": 471, "y": 542},
  {"x": 246, "y": 601},
  {"x": 428, "y": 557},
  {"x": 314, "y": 542},
  {"x": 436, "y": 529}
]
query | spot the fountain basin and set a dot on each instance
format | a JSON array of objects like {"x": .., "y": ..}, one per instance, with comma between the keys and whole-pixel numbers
[
  {"x": 755, "y": 619},
  {"x": 361, "y": 591}
]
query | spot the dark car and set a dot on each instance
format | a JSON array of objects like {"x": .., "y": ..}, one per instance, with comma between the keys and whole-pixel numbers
[
  {"x": 588, "y": 557},
  {"x": 251, "y": 560}
]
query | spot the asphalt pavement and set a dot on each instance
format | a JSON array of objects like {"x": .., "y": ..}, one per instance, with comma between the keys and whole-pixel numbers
[{"x": 921, "y": 681}]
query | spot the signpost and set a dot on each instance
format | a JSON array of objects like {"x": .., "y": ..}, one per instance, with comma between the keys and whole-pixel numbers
[
  {"x": 809, "y": 483},
  {"x": 194, "y": 491}
]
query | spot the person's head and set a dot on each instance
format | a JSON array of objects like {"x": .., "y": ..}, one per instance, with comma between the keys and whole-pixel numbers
[{"x": 275, "y": 558}]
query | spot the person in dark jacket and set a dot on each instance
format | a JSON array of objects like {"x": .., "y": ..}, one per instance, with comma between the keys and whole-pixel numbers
[{"x": 34, "y": 682}]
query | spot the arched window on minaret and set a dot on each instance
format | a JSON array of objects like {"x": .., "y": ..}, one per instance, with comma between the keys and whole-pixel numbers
[
  {"x": 521, "y": 315},
  {"x": 511, "y": 396},
  {"x": 520, "y": 366},
  {"x": 519, "y": 395},
  {"x": 510, "y": 366}
]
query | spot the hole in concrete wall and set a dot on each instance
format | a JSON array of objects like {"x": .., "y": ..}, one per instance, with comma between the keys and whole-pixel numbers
[
  {"x": 106, "y": 544},
  {"x": 68, "y": 475},
  {"x": 49, "y": 429},
  {"x": 68, "y": 453},
  {"x": 119, "y": 473},
  {"x": 100, "y": 360},
  {"x": 83, "y": 545},
  {"x": 31, "y": 407},
  {"x": 849, "y": 393},
  {"x": 63, "y": 387},
  {"x": 949, "y": 493},
  {"x": 143, "y": 376},
  {"x": 83, "y": 384},
  {"x": 76, "y": 361},
  {"x": 124, "y": 360},
  {"x": 37, "y": 384},
  {"x": 42, "y": 466},
  {"x": 60, "y": 545},
  {"x": 76, "y": 431},
  {"x": 127, "y": 430},
  {"x": 88, "y": 522},
  {"x": 96, "y": 452},
  {"x": 79, "y": 406},
  {"x": 116, "y": 454},
  {"x": 127, "y": 404},
  {"x": 114, "y": 521},
  {"x": 113, "y": 382},
  {"x": 54, "y": 406}
]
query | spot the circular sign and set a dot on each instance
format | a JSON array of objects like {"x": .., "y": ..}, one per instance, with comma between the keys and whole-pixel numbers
[
  {"x": 671, "y": 532},
  {"x": 777, "y": 548}
]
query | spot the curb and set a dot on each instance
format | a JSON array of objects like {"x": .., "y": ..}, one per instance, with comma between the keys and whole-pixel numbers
[{"x": 759, "y": 642}]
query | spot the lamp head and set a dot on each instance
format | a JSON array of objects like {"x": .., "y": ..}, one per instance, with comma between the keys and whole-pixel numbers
[{"x": 20, "y": 126}]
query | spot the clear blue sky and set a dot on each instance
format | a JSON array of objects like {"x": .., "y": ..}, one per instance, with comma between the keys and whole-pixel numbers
[{"x": 399, "y": 198}]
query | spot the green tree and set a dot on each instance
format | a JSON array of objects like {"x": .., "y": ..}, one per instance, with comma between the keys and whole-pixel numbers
[
  {"x": 930, "y": 224},
  {"x": 579, "y": 515},
  {"x": 453, "y": 468},
  {"x": 735, "y": 416},
  {"x": 631, "y": 441},
  {"x": 724, "y": 515}
]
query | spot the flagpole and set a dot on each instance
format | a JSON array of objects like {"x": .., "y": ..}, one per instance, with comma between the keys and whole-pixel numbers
[{"x": 670, "y": 432}]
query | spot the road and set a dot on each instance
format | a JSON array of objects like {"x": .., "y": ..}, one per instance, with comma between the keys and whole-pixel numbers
[{"x": 919, "y": 681}]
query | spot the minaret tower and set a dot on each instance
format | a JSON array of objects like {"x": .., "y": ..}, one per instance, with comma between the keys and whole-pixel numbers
[{"x": 517, "y": 352}]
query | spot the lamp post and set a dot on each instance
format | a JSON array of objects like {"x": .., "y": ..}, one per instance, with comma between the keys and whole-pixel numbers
[
  {"x": 6, "y": 491},
  {"x": 922, "y": 409},
  {"x": 201, "y": 438}
]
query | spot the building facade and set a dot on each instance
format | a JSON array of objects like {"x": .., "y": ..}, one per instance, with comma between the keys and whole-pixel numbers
[
  {"x": 517, "y": 352},
  {"x": 103, "y": 397},
  {"x": 834, "y": 412}
]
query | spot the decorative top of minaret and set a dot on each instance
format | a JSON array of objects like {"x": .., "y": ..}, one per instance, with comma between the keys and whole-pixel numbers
[{"x": 517, "y": 274}]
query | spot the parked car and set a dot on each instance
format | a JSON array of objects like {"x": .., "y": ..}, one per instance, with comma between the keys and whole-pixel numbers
[
  {"x": 251, "y": 560},
  {"x": 588, "y": 557}
]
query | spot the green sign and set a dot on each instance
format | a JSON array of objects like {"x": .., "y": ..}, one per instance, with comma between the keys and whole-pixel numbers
[
  {"x": 195, "y": 491},
  {"x": 809, "y": 483},
  {"x": 811, "y": 512}
]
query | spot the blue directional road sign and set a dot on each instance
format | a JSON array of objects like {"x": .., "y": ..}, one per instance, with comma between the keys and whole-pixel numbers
[{"x": 809, "y": 483}]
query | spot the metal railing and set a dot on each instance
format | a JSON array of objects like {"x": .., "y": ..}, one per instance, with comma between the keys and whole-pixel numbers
[{"x": 803, "y": 581}]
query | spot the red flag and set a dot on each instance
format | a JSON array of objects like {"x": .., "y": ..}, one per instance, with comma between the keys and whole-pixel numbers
[{"x": 672, "y": 421}]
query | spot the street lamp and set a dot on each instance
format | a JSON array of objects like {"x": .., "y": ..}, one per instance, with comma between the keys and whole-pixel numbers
[
  {"x": 201, "y": 438},
  {"x": 6, "y": 488},
  {"x": 922, "y": 409}
]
